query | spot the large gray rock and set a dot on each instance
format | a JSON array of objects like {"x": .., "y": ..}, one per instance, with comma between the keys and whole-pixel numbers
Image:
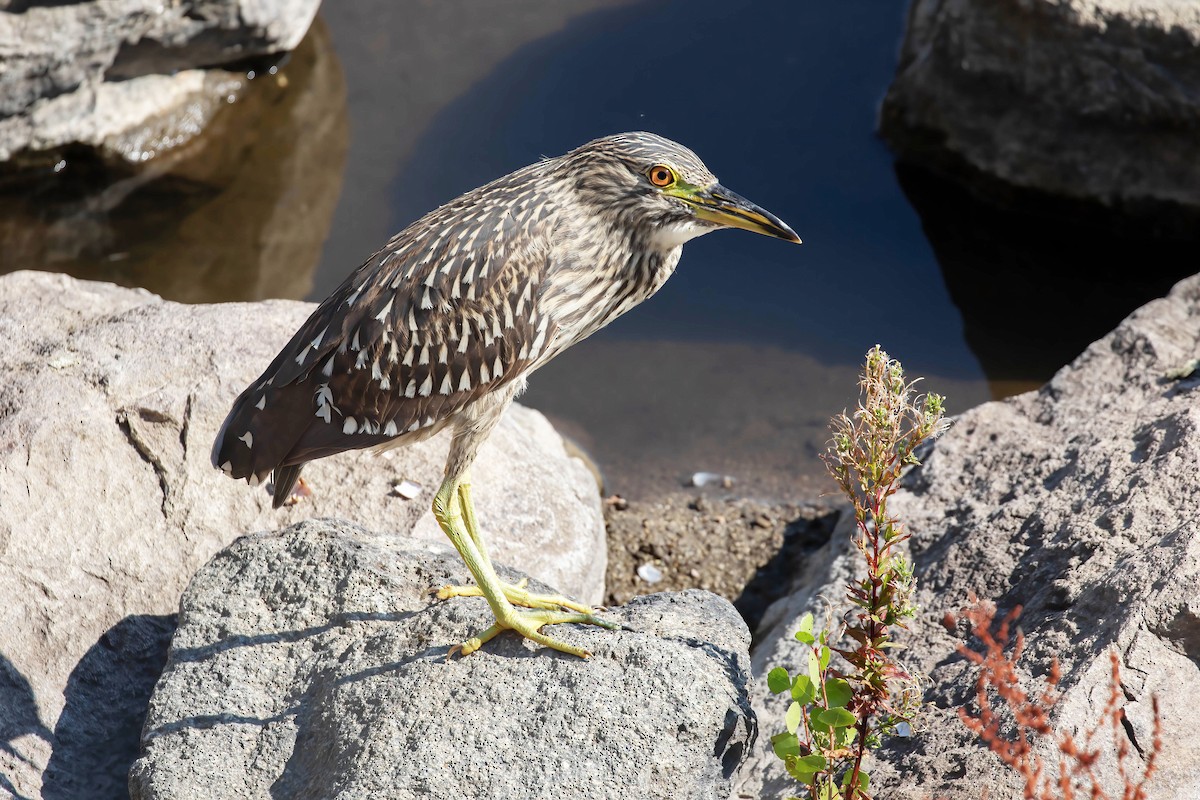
[
  {"x": 1088, "y": 99},
  {"x": 312, "y": 663},
  {"x": 108, "y": 505},
  {"x": 1076, "y": 501},
  {"x": 106, "y": 72},
  {"x": 270, "y": 168}
]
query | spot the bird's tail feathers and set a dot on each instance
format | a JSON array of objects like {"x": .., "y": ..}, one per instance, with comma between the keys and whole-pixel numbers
[
  {"x": 261, "y": 431},
  {"x": 285, "y": 478}
]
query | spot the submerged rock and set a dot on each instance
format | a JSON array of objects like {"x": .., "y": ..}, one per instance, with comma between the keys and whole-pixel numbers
[
  {"x": 1076, "y": 502},
  {"x": 312, "y": 663}
]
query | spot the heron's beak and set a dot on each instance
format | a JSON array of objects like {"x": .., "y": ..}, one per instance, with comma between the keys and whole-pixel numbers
[{"x": 717, "y": 204}]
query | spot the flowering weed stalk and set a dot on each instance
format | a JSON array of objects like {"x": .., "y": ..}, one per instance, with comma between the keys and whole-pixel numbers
[{"x": 840, "y": 711}]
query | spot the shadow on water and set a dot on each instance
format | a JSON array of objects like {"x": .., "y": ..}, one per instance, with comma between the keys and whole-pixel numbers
[
  {"x": 1037, "y": 280},
  {"x": 238, "y": 213},
  {"x": 108, "y": 693},
  {"x": 779, "y": 99}
]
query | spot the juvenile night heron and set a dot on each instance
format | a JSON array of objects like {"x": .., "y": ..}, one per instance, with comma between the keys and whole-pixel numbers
[{"x": 441, "y": 328}]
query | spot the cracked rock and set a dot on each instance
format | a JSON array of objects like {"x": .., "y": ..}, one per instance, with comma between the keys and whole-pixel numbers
[
  {"x": 108, "y": 505},
  {"x": 312, "y": 663},
  {"x": 1076, "y": 502}
]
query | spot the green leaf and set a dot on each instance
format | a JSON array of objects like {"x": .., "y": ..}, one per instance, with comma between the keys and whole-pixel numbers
[
  {"x": 814, "y": 666},
  {"x": 798, "y": 771},
  {"x": 792, "y": 719},
  {"x": 778, "y": 681},
  {"x": 838, "y": 692},
  {"x": 829, "y": 792},
  {"x": 836, "y": 717},
  {"x": 804, "y": 691},
  {"x": 814, "y": 762},
  {"x": 825, "y": 653},
  {"x": 785, "y": 744},
  {"x": 806, "y": 623},
  {"x": 844, "y": 737},
  {"x": 805, "y": 768},
  {"x": 807, "y": 638},
  {"x": 864, "y": 780},
  {"x": 815, "y": 722}
]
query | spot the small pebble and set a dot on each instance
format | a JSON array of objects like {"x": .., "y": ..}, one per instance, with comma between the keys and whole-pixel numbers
[
  {"x": 1185, "y": 370},
  {"x": 649, "y": 573},
  {"x": 62, "y": 360},
  {"x": 406, "y": 489},
  {"x": 616, "y": 502},
  {"x": 701, "y": 479}
]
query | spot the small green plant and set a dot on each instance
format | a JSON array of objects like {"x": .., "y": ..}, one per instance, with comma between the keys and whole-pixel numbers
[{"x": 841, "y": 710}]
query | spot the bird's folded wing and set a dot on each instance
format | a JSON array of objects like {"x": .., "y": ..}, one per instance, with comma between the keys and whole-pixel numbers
[{"x": 445, "y": 313}]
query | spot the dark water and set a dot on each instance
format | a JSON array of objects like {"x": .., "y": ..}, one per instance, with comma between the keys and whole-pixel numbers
[
  {"x": 779, "y": 99},
  {"x": 736, "y": 365}
]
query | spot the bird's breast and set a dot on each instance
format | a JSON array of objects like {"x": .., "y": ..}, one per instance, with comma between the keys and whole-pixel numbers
[{"x": 591, "y": 294}]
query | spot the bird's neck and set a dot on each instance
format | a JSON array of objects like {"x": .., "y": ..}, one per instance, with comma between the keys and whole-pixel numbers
[{"x": 591, "y": 287}]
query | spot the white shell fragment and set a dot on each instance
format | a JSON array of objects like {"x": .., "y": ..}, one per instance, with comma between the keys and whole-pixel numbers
[
  {"x": 62, "y": 360},
  {"x": 649, "y": 573},
  {"x": 701, "y": 479},
  {"x": 406, "y": 489}
]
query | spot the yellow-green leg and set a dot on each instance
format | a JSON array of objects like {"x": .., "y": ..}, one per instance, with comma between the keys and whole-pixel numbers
[
  {"x": 455, "y": 513},
  {"x": 516, "y": 593}
]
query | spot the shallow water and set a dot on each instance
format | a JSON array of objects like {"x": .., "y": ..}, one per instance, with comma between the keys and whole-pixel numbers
[{"x": 737, "y": 364}]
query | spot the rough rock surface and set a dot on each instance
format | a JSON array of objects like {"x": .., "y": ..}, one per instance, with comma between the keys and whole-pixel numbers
[
  {"x": 1088, "y": 99},
  {"x": 310, "y": 663},
  {"x": 108, "y": 505},
  {"x": 1078, "y": 502},
  {"x": 104, "y": 72}
]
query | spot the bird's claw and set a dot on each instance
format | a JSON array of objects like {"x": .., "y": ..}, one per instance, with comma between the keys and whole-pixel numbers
[
  {"x": 529, "y": 624},
  {"x": 516, "y": 594}
]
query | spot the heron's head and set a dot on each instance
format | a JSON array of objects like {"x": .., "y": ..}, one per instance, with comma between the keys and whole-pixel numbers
[{"x": 662, "y": 190}]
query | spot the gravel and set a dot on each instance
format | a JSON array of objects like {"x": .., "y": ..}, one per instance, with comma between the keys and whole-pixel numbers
[{"x": 741, "y": 548}]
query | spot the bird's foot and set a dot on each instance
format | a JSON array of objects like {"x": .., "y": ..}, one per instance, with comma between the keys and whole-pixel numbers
[
  {"x": 518, "y": 596},
  {"x": 529, "y": 624},
  {"x": 300, "y": 492}
]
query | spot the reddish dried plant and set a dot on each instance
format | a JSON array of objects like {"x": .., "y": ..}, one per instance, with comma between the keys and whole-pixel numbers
[{"x": 1075, "y": 776}]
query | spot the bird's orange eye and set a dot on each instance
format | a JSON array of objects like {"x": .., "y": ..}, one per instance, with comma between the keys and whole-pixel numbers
[{"x": 661, "y": 176}]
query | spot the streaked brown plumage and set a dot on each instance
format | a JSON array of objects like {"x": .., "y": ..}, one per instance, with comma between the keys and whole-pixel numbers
[{"x": 442, "y": 326}]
